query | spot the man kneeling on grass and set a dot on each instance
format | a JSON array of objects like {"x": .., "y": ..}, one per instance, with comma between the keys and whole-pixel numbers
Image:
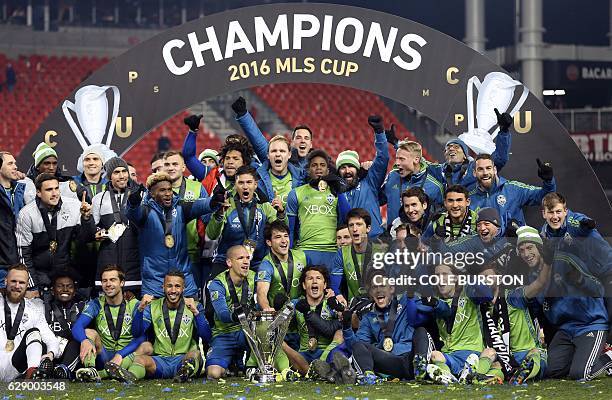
[
  {"x": 108, "y": 349},
  {"x": 175, "y": 321}
]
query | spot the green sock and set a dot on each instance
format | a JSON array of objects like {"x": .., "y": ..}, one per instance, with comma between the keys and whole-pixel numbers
[
  {"x": 328, "y": 349},
  {"x": 496, "y": 372},
  {"x": 443, "y": 366},
  {"x": 196, "y": 365},
  {"x": 138, "y": 370},
  {"x": 126, "y": 362},
  {"x": 281, "y": 362},
  {"x": 90, "y": 361},
  {"x": 103, "y": 374},
  {"x": 484, "y": 365}
]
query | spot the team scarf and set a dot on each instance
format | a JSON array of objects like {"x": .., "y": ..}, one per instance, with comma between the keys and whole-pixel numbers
[
  {"x": 466, "y": 226},
  {"x": 496, "y": 330}
]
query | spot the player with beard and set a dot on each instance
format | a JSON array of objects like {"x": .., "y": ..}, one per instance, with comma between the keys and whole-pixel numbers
[
  {"x": 315, "y": 209},
  {"x": 242, "y": 220},
  {"x": 177, "y": 323},
  {"x": 457, "y": 221},
  {"x": 410, "y": 171},
  {"x": 301, "y": 138},
  {"x": 231, "y": 294},
  {"x": 62, "y": 309},
  {"x": 572, "y": 300},
  {"x": 109, "y": 212},
  {"x": 389, "y": 340},
  {"x": 363, "y": 186},
  {"x": 508, "y": 197},
  {"x": 459, "y": 166},
  {"x": 108, "y": 348},
  {"x": 24, "y": 331},
  {"x": 320, "y": 332}
]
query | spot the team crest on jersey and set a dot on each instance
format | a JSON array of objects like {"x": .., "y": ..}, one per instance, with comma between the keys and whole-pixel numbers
[
  {"x": 330, "y": 199},
  {"x": 127, "y": 318},
  {"x": 174, "y": 212},
  {"x": 461, "y": 302},
  {"x": 501, "y": 200},
  {"x": 325, "y": 313},
  {"x": 65, "y": 215},
  {"x": 299, "y": 266},
  {"x": 186, "y": 319},
  {"x": 214, "y": 295},
  {"x": 261, "y": 275},
  {"x": 25, "y": 318},
  {"x": 189, "y": 196},
  {"x": 399, "y": 308}
]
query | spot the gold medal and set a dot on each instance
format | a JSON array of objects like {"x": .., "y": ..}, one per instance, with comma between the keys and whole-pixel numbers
[
  {"x": 9, "y": 346},
  {"x": 73, "y": 186},
  {"x": 169, "y": 241},
  {"x": 388, "y": 344},
  {"x": 52, "y": 246},
  {"x": 322, "y": 186},
  {"x": 312, "y": 343}
]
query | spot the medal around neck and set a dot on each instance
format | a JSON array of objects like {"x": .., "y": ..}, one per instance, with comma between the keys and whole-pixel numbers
[
  {"x": 52, "y": 246},
  {"x": 388, "y": 344},
  {"x": 169, "y": 241},
  {"x": 9, "y": 346},
  {"x": 322, "y": 186},
  {"x": 116, "y": 230}
]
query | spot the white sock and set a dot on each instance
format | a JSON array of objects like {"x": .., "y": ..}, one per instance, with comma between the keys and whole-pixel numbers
[{"x": 33, "y": 349}]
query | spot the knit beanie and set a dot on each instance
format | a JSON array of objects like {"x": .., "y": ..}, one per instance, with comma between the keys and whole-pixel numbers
[
  {"x": 528, "y": 234},
  {"x": 214, "y": 154},
  {"x": 461, "y": 143},
  {"x": 350, "y": 157},
  {"x": 489, "y": 214},
  {"x": 99, "y": 149},
  {"x": 43, "y": 150},
  {"x": 113, "y": 164}
]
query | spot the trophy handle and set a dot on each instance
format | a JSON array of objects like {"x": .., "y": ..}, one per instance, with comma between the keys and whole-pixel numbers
[
  {"x": 66, "y": 106},
  {"x": 473, "y": 81},
  {"x": 516, "y": 107},
  {"x": 115, "y": 113}
]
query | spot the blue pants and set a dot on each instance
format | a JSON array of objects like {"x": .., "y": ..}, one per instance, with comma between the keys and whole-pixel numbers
[
  {"x": 166, "y": 366},
  {"x": 310, "y": 356},
  {"x": 320, "y": 258},
  {"x": 456, "y": 359},
  {"x": 225, "y": 347}
]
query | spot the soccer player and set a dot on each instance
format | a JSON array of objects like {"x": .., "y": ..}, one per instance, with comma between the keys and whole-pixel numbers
[
  {"x": 62, "y": 310},
  {"x": 508, "y": 197},
  {"x": 110, "y": 344},
  {"x": 231, "y": 294},
  {"x": 320, "y": 330},
  {"x": 24, "y": 331},
  {"x": 242, "y": 222},
  {"x": 315, "y": 209},
  {"x": 458, "y": 220},
  {"x": 363, "y": 186},
  {"x": 414, "y": 212},
  {"x": 176, "y": 324},
  {"x": 411, "y": 171},
  {"x": 388, "y": 340},
  {"x": 343, "y": 236},
  {"x": 456, "y": 314}
]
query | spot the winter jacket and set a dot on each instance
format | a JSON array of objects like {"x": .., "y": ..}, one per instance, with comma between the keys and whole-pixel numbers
[
  {"x": 10, "y": 205},
  {"x": 156, "y": 259},
  {"x": 509, "y": 197},
  {"x": 34, "y": 242}
]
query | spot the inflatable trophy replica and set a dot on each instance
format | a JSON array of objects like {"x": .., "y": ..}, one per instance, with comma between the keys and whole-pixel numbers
[
  {"x": 495, "y": 91},
  {"x": 265, "y": 332}
]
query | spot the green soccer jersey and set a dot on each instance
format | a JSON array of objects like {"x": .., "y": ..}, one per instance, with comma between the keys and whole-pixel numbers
[
  {"x": 350, "y": 275},
  {"x": 186, "y": 338},
  {"x": 281, "y": 186},
  {"x": 326, "y": 313},
  {"x": 523, "y": 334},
  {"x": 102, "y": 324},
  {"x": 268, "y": 272},
  {"x": 466, "y": 333},
  {"x": 221, "y": 298},
  {"x": 192, "y": 193},
  {"x": 317, "y": 214}
]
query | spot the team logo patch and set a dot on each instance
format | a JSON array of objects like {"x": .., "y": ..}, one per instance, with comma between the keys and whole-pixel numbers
[
  {"x": 501, "y": 200},
  {"x": 214, "y": 295},
  {"x": 261, "y": 275},
  {"x": 186, "y": 319},
  {"x": 65, "y": 216},
  {"x": 330, "y": 198},
  {"x": 189, "y": 196},
  {"x": 174, "y": 212},
  {"x": 299, "y": 266},
  {"x": 462, "y": 302},
  {"x": 127, "y": 317}
]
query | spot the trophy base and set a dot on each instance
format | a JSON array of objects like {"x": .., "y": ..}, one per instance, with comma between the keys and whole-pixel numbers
[
  {"x": 263, "y": 378},
  {"x": 479, "y": 143}
]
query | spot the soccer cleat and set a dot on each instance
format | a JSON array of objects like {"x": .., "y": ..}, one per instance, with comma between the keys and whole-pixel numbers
[
  {"x": 185, "y": 371},
  {"x": 29, "y": 374},
  {"x": 420, "y": 367},
  {"x": 469, "y": 369},
  {"x": 483, "y": 379},
  {"x": 368, "y": 378},
  {"x": 438, "y": 375},
  {"x": 289, "y": 375},
  {"x": 89, "y": 374},
  {"x": 319, "y": 370},
  {"x": 523, "y": 371},
  {"x": 44, "y": 370},
  {"x": 61, "y": 372},
  {"x": 119, "y": 373},
  {"x": 345, "y": 374}
]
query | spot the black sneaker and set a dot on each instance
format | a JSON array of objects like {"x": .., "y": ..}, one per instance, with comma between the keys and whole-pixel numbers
[
  {"x": 44, "y": 370},
  {"x": 185, "y": 371},
  {"x": 118, "y": 373},
  {"x": 61, "y": 372},
  {"x": 320, "y": 370},
  {"x": 344, "y": 371}
]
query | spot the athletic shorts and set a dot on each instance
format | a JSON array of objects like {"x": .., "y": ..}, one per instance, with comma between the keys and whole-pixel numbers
[
  {"x": 166, "y": 366},
  {"x": 225, "y": 347},
  {"x": 106, "y": 355},
  {"x": 456, "y": 359}
]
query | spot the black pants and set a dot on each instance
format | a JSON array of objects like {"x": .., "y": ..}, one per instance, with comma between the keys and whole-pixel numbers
[
  {"x": 580, "y": 357},
  {"x": 20, "y": 359},
  {"x": 370, "y": 358},
  {"x": 70, "y": 357}
]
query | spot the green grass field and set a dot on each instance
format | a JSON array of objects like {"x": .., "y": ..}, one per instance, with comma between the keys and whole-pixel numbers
[{"x": 241, "y": 390}]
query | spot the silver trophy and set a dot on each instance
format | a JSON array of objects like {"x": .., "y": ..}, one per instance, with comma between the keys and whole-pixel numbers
[
  {"x": 265, "y": 332},
  {"x": 495, "y": 91},
  {"x": 91, "y": 109}
]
